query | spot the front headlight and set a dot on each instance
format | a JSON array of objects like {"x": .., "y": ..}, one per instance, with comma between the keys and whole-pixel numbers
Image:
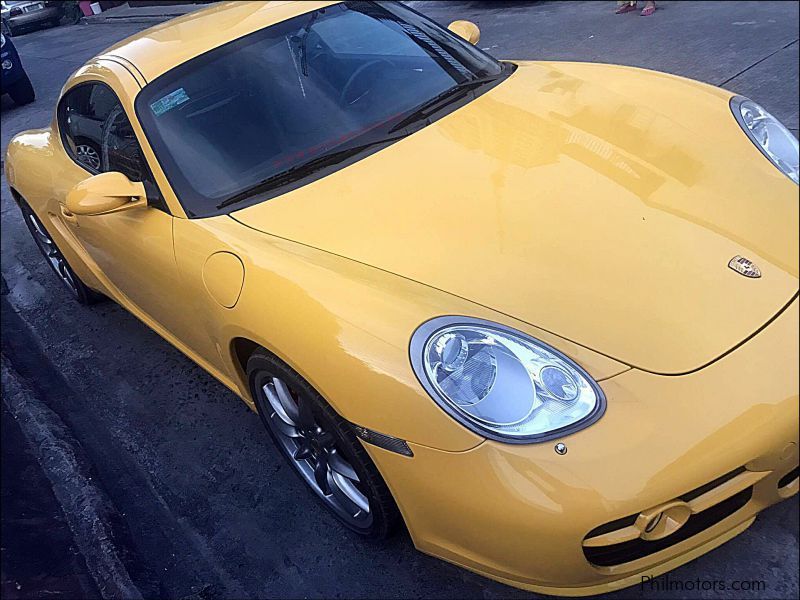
[
  {"x": 769, "y": 135},
  {"x": 501, "y": 383}
]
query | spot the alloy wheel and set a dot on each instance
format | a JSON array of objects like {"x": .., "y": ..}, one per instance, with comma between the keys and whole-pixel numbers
[
  {"x": 88, "y": 156},
  {"x": 314, "y": 453},
  {"x": 51, "y": 253}
]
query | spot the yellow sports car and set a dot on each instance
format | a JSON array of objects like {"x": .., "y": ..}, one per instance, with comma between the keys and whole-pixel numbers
[{"x": 545, "y": 314}]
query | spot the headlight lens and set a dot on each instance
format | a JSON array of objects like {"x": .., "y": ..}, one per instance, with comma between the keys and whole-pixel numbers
[
  {"x": 502, "y": 383},
  {"x": 769, "y": 135}
]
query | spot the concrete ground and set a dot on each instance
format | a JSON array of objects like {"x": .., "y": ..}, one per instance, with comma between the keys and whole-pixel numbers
[{"x": 195, "y": 498}]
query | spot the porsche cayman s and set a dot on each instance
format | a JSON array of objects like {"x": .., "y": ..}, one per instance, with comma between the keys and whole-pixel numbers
[{"x": 543, "y": 313}]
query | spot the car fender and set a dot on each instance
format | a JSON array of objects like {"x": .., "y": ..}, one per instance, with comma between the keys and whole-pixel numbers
[{"x": 342, "y": 325}]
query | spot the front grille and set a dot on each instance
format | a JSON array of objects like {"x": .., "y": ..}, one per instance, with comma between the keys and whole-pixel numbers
[
  {"x": 788, "y": 478},
  {"x": 613, "y": 526},
  {"x": 616, "y": 554},
  {"x": 687, "y": 497},
  {"x": 697, "y": 492},
  {"x": 619, "y": 541}
]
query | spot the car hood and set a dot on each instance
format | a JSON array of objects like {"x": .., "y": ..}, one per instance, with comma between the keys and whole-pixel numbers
[{"x": 600, "y": 203}]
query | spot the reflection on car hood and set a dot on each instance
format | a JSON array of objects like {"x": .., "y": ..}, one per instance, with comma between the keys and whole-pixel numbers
[{"x": 600, "y": 203}]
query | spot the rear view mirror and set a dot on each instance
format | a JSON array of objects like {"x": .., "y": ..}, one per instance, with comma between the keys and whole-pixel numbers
[
  {"x": 105, "y": 193},
  {"x": 467, "y": 30}
]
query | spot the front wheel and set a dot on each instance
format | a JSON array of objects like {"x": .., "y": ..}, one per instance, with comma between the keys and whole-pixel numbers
[
  {"x": 321, "y": 447},
  {"x": 21, "y": 91}
]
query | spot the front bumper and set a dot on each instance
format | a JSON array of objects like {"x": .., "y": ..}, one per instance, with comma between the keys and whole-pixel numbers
[{"x": 521, "y": 514}]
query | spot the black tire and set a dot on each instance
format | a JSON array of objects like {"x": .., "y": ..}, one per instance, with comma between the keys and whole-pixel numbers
[
  {"x": 80, "y": 291},
  {"x": 385, "y": 515},
  {"x": 21, "y": 92}
]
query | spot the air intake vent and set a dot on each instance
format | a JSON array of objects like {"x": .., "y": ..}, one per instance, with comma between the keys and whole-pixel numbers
[
  {"x": 617, "y": 554},
  {"x": 639, "y": 535}
]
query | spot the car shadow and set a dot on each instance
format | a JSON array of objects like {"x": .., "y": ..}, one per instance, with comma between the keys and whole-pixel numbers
[{"x": 7, "y": 104}]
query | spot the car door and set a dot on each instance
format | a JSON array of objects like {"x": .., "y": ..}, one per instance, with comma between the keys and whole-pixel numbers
[{"x": 130, "y": 251}]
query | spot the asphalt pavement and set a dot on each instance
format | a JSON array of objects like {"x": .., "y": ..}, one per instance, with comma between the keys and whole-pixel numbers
[
  {"x": 39, "y": 555},
  {"x": 195, "y": 498}
]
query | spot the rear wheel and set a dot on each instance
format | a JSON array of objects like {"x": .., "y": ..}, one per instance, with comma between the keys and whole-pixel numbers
[
  {"x": 56, "y": 260},
  {"x": 21, "y": 91},
  {"x": 321, "y": 447}
]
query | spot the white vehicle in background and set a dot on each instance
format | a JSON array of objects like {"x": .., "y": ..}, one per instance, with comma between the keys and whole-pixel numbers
[{"x": 30, "y": 14}]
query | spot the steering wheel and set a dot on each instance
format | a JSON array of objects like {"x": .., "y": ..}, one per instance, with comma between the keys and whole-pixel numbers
[{"x": 347, "y": 89}]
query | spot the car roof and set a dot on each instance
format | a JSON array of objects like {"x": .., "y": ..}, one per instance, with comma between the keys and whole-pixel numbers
[{"x": 156, "y": 50}]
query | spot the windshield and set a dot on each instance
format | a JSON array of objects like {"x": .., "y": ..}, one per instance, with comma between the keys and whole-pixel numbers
[{"x": 251, "y": 117}]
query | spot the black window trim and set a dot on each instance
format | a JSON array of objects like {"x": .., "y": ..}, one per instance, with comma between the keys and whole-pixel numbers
[{"x": 155, "y": 198}]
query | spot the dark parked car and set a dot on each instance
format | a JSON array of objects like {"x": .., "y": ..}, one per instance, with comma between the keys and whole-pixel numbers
[
  {"x": 30, "y": 14},
  {"x": 15, "y": 81}
]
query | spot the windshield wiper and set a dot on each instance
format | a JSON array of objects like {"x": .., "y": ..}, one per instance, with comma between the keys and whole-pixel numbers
[
  {"x": 304, "y": 170},
  {"x": 304, "y": 42},
  {"x": 429, "y": 107}
]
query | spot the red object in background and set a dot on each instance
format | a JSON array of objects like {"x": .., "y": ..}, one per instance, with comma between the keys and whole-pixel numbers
[
  {"x": 84, "y": 6},
  {"x": 157, "y": 2}
]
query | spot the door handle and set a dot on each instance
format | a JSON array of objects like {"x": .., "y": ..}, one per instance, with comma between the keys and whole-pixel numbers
[{"x": 67, "y": 215}]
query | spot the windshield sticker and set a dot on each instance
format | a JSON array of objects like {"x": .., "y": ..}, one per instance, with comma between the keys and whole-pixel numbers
[{"x": 168, "y": 102}]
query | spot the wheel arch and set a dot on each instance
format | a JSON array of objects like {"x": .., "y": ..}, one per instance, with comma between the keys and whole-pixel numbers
[
  {"x": 243, "y": 346},
  {"x": 240, "y": 350},
  {"x": 18, "y": 198}
]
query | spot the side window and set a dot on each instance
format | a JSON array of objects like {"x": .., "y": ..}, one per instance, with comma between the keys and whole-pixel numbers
[
  {"x": 97, "y": 133},
  {"x": 121, "y": 151}
]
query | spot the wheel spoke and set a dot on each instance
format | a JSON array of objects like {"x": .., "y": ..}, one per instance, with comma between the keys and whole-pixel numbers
[
  {"x": 40, "y": 234},
  {"x": 277, "y": 405},
  {"x": 35, "y": 222},
  {"x": 66, "y": 275},
  {"x": 283, "y": 427},
  {"x": 286, "y": 400},
  {"x": 341, "y": 466},
  {"x": 348, "y": 494},
  {"x": 321, "y": 474},
  {"x": 303, "y": 450}
]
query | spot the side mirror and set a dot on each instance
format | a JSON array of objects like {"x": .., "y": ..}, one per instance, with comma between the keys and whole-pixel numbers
[
  {"x": 106, "y": 193},
  {"x": 467, "y": 30}
]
